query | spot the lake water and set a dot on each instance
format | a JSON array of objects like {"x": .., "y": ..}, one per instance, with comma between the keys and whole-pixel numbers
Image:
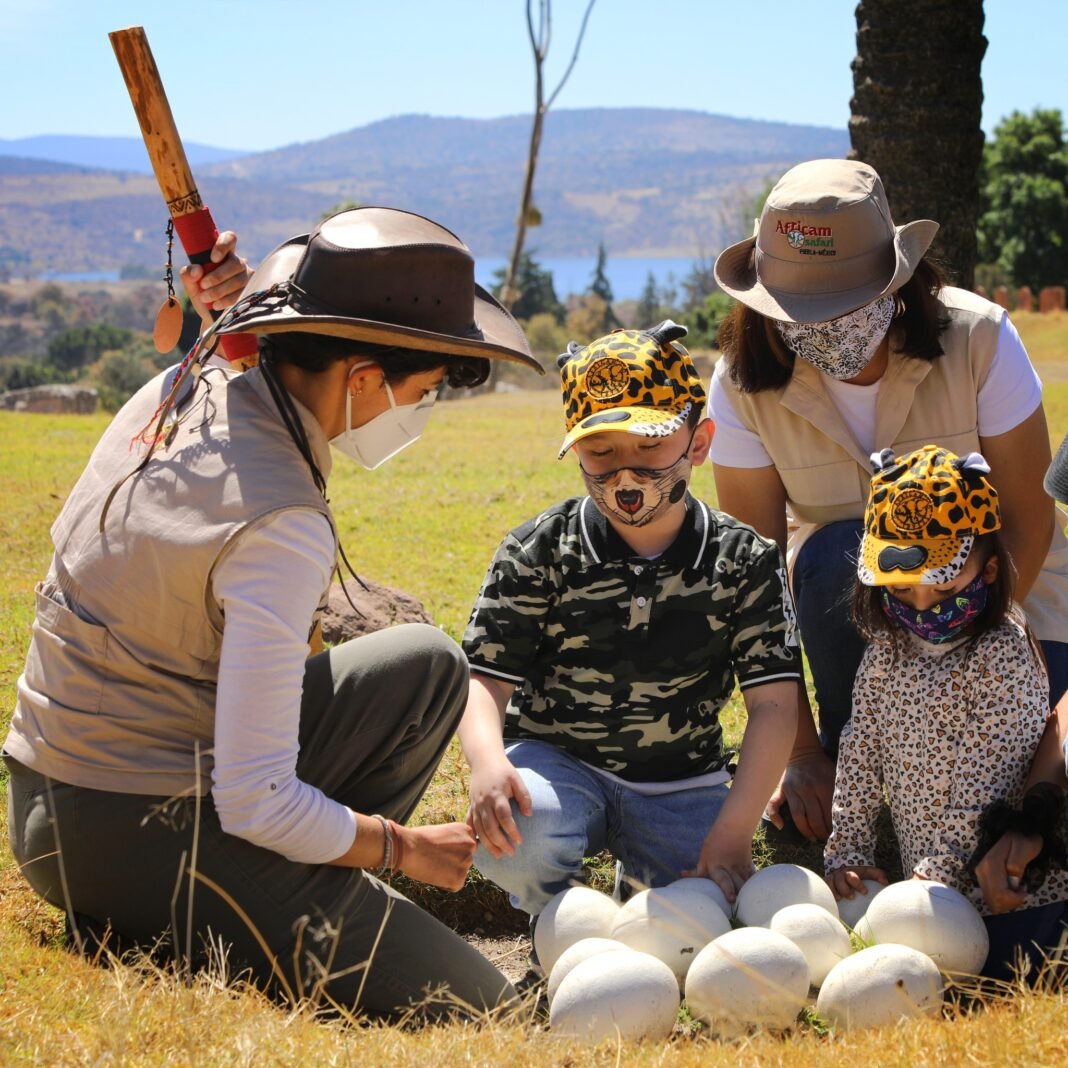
[
  {"x": 79, "y": 276},
  {"x": 627, "y": 275}
]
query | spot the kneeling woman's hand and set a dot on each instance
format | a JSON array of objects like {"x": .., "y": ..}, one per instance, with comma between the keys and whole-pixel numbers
[{"x": 440, "y": 854}]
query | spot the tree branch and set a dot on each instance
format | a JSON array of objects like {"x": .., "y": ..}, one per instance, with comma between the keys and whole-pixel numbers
[{"x": 574, "y": 55}]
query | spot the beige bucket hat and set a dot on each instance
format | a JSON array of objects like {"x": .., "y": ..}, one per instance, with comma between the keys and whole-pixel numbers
[
  {"x": 825, "y": 245},
  {"x": 380, "y": 275}
]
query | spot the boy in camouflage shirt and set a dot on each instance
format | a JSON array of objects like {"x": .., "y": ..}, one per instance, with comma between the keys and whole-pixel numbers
[{"x": 608, "y": 635}]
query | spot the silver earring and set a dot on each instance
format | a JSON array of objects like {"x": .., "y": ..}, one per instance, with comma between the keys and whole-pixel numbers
[{"x": 899, "y": 305}]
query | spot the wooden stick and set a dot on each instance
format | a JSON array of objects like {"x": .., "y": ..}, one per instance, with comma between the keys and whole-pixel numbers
[
  {"x": 192, "y": 220},
  {"x": 165, "y": 150}
]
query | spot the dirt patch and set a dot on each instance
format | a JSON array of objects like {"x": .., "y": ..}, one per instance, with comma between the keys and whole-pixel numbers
[{"x": 510, "y": 954}]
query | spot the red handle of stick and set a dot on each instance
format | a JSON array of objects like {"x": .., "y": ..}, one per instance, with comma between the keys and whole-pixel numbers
[
  {"x": 198, "y": 233},
  {"x": 192, "y": 221}
]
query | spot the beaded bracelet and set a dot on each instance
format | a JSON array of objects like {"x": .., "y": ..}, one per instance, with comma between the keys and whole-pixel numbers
[
  {"x": 398, "y": 845},
  {"x": 387, "y": 835}
]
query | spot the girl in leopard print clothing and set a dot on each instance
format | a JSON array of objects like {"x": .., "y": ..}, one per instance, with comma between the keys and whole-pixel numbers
[{"x": 951, "y": 697}]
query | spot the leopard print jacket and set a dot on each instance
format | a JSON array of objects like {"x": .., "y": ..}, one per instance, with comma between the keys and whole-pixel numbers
[{"x": 944, "y": 730}]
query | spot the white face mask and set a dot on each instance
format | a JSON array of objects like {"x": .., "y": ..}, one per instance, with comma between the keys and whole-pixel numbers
[
  {"x": 377, "y": 441},
  {"x": 843, "y": 347}
]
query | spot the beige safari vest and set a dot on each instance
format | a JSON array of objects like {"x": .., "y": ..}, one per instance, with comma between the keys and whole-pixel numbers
[
  {"x": 118, "y": 692},
  {"x": 827, "y": 474}
]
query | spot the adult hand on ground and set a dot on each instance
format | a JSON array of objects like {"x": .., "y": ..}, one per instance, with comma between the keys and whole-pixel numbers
[
  {"x": 807, "y": 786},
  {"x": 1000, "y": 873},
  {"x": 440, "y": 854},
  {"x": 494, "y": 785},
  {"x": 217, "y": 290},
  {"x": 846, "y": 882}
]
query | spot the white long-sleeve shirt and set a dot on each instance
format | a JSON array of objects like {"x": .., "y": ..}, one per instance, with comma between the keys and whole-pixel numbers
[{"x": 269, "y": 587}]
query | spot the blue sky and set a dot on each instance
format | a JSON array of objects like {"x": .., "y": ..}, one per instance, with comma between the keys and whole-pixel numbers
[{"x": 257, "y": 74}]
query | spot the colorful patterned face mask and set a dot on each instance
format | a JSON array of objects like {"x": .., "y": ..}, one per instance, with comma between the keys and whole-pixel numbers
[
  {"x": 946, "y": 620},
  {"x": 843, "y": 347}
]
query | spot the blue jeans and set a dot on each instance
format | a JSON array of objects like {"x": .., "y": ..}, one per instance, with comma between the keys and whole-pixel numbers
[
  {"x": 578, "y": 813},
  {"x": 823, "y": 578},
  {"x": 1035, "y": 932}
]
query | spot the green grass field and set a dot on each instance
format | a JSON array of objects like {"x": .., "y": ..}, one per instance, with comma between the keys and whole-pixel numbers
[{"x": 428, "y": 523}]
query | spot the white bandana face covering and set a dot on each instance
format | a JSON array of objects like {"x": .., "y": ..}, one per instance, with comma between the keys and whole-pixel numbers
[{"x": 843, "y": 347}]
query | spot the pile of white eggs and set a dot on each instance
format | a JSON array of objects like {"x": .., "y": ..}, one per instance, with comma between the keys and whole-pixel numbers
[{"x": 622, "y": 971}]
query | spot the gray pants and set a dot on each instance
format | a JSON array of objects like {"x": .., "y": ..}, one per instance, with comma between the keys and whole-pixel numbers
[{"x": 376, "y": 717}]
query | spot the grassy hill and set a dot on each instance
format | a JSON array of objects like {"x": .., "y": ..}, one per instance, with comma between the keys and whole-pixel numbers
[{"x": 644, "y": 181}]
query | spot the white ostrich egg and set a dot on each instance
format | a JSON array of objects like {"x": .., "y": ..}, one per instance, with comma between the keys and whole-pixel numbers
[
  {"x": 748, "y": 978},
  {"x": 933, "y": 918},
  {"x": 862, "y": 930},
  {"x": 578, "y": 912},
  {"x": 699, "y": 885},
  {"x": 878, "y": 986},
  {"x": 672, "y": 923},
  {"x": 777, "y": 886},
  {"x": 576, "y": 953},
  {"x": 822, "y": 938},
  {"x": 625, "y": 995},
  {"x": 850, "y": 909}
]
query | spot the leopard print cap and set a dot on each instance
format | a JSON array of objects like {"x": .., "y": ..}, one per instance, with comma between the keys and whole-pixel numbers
[
  {"x": 924, "y": 513},
  {"x": 639, "y": 381}
]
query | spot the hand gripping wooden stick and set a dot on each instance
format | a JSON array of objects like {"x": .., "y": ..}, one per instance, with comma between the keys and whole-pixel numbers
[{"x": 192, "y": 220}]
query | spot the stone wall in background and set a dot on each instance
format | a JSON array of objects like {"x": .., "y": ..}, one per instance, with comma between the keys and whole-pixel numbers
[{"x": 52, "y": 400}]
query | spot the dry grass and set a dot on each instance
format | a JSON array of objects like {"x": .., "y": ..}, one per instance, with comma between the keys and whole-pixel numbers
[
  {"x": 58, "y": 1010},
  {"x": 486, "y": 464}
]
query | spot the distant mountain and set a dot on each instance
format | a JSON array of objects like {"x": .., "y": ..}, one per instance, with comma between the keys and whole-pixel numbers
[
  {"x": 107, "y": 153},
  {"x": 644, "y": 181},
  {"x": 24, "y": 165}
]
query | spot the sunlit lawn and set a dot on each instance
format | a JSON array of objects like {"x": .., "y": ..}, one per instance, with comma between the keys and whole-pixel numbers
[{"x": 427, "y": 523}]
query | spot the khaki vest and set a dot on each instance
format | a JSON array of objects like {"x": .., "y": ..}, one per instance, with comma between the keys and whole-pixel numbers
[
  {"x": 827, "y": 474},
  {"x": 118, "y": 692}
]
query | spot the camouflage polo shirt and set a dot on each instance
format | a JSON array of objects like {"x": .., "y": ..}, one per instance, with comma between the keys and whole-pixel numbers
[{"x": 626, "y": 662}]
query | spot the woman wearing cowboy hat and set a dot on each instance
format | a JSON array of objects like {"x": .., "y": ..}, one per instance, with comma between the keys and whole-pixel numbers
[
  {"x": 845, "y": 339},
  {"x": 182, "y": 778}
]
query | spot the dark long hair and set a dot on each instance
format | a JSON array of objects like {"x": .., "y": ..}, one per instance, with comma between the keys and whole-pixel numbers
[
  {"x": 866, "y": 608},
  {"x": 315, "y": 352},
  {"x": 757, "y": 359}
]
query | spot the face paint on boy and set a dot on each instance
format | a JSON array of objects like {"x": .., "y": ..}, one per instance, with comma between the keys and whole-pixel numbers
[{"x": 638, "y": 495}]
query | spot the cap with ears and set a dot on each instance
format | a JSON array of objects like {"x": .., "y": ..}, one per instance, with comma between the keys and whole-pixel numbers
[{"x": 639, "y": 382}]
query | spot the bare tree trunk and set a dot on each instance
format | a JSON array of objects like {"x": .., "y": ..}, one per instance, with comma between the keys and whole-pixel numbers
[
  {"x": 916, "y": 113},
  {"x": 539, "y": 46},
  {"x": 509, "y": 293},
  {"x": 528, "y": 214}
]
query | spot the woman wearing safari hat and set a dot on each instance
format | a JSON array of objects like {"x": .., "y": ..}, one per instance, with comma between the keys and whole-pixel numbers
[
  {"x": 845, "y": 339},
  {"x": 182, "y": 777}
]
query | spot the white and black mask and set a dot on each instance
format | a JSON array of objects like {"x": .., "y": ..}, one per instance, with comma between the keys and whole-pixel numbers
[{"x": 843, "y": 347}]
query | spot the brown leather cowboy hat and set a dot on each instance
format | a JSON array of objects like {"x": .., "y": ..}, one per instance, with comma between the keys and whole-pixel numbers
[
  {"x": 381, "y": 275},
  {"x": 824, "y": 246}
]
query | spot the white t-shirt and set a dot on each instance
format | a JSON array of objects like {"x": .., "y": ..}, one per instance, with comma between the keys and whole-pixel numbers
[
  {"x": 1011, "y": 392},
  {"x": 269, "y": 588}
]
